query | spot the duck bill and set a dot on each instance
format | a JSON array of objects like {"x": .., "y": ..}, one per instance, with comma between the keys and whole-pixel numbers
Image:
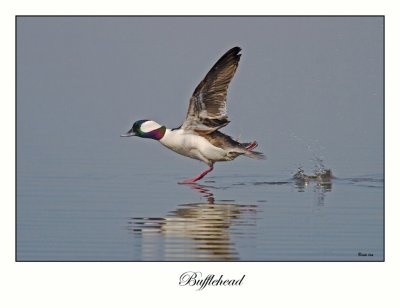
[{"x": 129, "y": 134}]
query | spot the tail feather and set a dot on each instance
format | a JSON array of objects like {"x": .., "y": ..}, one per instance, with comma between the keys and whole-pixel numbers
[
  {"x": 254, "y": 154},
  {"x": 249, "y": 146}
]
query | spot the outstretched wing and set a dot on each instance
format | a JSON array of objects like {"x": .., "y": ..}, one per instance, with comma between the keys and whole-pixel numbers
[{"x": 207, "y": 109}]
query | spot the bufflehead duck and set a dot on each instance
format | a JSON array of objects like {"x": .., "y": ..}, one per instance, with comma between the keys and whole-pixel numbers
[{"x": 199, "y": 136}]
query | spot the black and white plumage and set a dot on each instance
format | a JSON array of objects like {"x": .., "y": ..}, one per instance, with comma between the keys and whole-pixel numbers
[{"x": 199, "y": 136}]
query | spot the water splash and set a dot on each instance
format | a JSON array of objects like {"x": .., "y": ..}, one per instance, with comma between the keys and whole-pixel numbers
[
  {"x": 321, "y": 179},
  {"x": 320, "y": 175},
  {"x": 319, "y": 167},
  {"x": 307, "y": 148}
]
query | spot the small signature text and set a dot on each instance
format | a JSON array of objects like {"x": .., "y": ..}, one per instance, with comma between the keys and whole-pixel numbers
[{"x": 364, "y": 254}]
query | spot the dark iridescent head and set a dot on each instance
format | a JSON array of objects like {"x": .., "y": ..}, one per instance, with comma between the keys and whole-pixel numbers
[{"x": 146, "y": 129}]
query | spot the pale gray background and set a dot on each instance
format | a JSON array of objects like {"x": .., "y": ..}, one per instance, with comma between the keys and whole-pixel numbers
[{"x": 301, "y": 82}]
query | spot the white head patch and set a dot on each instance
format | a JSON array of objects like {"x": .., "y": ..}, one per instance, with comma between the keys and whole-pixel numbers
[{"x": 149, "y": 126}]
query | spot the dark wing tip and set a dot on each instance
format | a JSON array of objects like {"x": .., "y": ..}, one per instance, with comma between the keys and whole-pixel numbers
[
  {"x": 235, "y": 50},
  {"x": 231, "y": 54},
  {"x": 230, "y": 57}
]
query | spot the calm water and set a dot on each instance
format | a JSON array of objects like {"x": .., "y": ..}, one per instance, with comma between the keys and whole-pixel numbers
[{"x": 98, "y": 210}]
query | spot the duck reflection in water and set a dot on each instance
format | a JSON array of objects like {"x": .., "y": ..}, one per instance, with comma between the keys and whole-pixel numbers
[{"x": 195, "y": 231}]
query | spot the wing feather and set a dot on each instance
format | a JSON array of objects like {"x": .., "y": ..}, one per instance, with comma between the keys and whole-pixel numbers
[{"x": 207, "y": 108}]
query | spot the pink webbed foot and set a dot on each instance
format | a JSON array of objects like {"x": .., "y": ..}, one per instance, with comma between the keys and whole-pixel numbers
[
  {"x": 197, "y": 177},
  {"x": 252, "y": 145}
]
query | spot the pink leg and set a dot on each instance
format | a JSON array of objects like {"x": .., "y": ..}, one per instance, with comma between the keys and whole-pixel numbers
[
  {"x": 197, "y": 177},
  {"x": 252, "y": 145}
]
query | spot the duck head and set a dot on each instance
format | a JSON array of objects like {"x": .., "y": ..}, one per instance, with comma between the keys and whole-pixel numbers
[{"x": 146, "y": 129}]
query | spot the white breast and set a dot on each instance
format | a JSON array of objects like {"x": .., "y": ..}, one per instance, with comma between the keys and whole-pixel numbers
[{"x": 192, "y": 145}]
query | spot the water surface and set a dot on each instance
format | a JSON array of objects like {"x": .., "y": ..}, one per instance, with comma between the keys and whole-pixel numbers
[{"x": 87, "y": 214}]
